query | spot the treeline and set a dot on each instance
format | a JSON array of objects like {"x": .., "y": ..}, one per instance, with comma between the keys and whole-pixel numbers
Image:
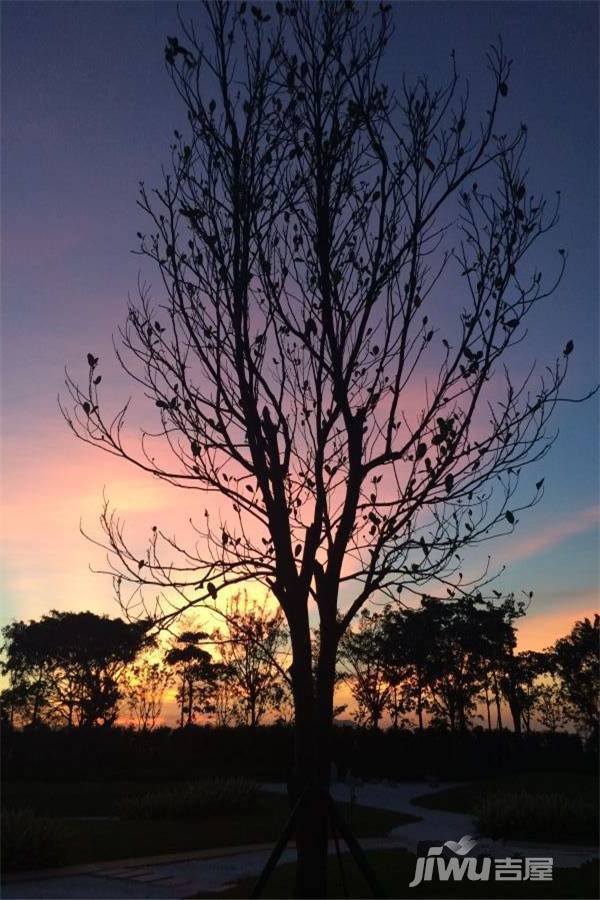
[
  {"x": 78, "y": 670},
  {"x": 448, "y": 665},
  {"x": 456, "y": 665},
  {"x": 266, "y": 753}
]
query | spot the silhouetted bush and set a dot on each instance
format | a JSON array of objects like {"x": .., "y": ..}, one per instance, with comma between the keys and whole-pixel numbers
[
  {"x": 192, "y": 800},
  {"x": 265, "y": 753},
  {"x": 552, "y": 817},
  {"x": 30, "y": 841}
]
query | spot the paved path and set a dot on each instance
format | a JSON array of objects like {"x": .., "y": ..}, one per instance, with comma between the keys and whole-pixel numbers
[{"x": 185, "y": 874}]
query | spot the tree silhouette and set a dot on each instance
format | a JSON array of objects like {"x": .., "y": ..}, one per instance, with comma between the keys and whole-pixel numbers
[
  {"x": 70, "y": 666},
  {"x": 250, "y": 650},
  {"x": 196, "y": 672},
  {"x": 145, "y": 690},
  {"x": 408, "y": 648},
  {"x": 520, "y": 686},
  {"x": 345, "y": 272},
  {"x": 575, "y": 660},
  {"x": 364, "y": 664}
]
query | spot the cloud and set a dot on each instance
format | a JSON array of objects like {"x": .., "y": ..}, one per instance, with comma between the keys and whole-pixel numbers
[{"x": 555, "y": 534}]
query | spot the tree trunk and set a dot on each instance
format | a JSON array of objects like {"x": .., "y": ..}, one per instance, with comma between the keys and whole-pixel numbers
[
  {"x": 498, "y": 700},
  {"x": 313, "y": 704},
  {"x": 488, "y": 704},
  {"x": 420, "y": 703},
  {"x": 515, "y": 711},
  {"x": 190, "y": 709}
]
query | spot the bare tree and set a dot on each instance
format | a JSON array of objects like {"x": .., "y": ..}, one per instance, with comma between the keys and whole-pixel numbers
[{"x": 359, "y": 434}]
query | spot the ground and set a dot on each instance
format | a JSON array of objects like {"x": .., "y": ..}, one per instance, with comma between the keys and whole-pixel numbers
[
  {"x": 395, "y": 870},
  {"x": 232, "y": 871},
  {"x": 86, "y": 812}
]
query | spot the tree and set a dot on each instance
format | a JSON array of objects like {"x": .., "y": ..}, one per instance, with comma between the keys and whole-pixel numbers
[
  {"x": 550, "y": 709},
  {"x": 408, "y": 649},
  {"x": 364, "y": 668},
  {"x": 520, "y": 685},
  {"x": 15, "y": 705},
  {"x": 71, "y": 666},
  {"x": 575, "y": 661},
  {"x": 455, "y": 663},
  {"x": 300, "y": 238},
  {"x": 250, "y": 649},
  {"x": 145, "y": 691},
  {"x": 497, "y": 643},
  {"x": 29, "y": 670},
  {"x": 197, "y": 674}
]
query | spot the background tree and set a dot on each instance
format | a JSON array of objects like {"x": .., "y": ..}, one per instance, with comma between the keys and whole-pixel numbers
[
  {"x": 146, "y": 686},
  {"x": 251, "y": 651},
  {"x": 408, "y": 649},
  {"x": 520, "y": 685},
  {"x": 364, "y": 669},
  {"x": 497, "y": 640},
  {"x": 197, "y": 675},
  {"x": 27, "y": 664},
  {"x": 576, "y": 662},
  {"x": 15, "y": 705},
  {"x": 70, "y": 666},
  {"x": 455, "y": 671},
  {"x": 550, "y": 707},
  {"x": 300, "y": 240}
]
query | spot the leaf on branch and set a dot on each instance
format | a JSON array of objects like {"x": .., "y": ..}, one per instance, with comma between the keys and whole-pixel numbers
[
  {"x": 539, "y": 484},
  {"x": 568, "y": 348},
  {"x": 92, "y": 360},
  {"x": 449, "y": 482},
  {"x": 510, "y": 517},
  {"x": 421, "y": 451},
  {"x": 195, "y": 446},
  {"x": 211, "y": 590},
  {"x": 297, "y": 549}
]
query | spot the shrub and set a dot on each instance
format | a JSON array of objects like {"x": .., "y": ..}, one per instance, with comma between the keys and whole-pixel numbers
[
  {"x": 30, "y": 841},
  {"x": 202, "y": 798},
  {"x": 553, "y": 817}
]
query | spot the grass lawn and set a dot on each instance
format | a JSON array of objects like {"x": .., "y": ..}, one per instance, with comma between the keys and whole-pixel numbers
[
  {"x": 74, "y": 798},
  {"x": 395, "y": 870},
  {"x": 89, "y": 840},
  {"x": 574, "y": 789}
]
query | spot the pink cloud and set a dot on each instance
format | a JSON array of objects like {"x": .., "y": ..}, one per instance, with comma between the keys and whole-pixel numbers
[{"x": 555, "y": 534}]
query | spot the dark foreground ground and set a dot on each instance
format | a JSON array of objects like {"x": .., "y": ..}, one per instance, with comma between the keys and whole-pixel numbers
[{"x": 396, "y": 869}]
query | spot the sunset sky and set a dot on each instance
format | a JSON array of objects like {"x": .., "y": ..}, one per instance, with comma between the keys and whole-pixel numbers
[{"x": 88, "y": 111}]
